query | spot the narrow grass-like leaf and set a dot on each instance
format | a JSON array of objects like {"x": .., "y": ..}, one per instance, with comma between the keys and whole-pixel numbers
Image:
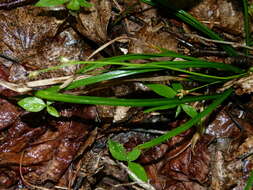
[
  {"x": 246, "y": 24},
  {"x": 89, "y": 68},
  {"x": 138, "y": 170},
  {"x": 175, "y": 64},
  {"x": 53, "y": 96},
  {"x": 162, "y": 90},
  {"x": 50, "y": 3},
  {"x": 188, "y": 124},
  {"x": 164, "y": 107},
  {"x": 199, "y": 64},
  {"x": 166, "y": 53},
  {"x": 186, "y": 17},
  {"x": 249, "y": 182},
  {"x": 155, "y": 65},
  {"x": 106, "y": 76}
]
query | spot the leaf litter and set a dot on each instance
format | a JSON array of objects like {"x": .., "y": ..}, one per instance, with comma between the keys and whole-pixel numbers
[{"x": 70, "y": 152}]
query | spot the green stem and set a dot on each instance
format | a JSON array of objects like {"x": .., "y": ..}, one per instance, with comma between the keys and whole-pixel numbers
[
  {"x": 188, "y": 124},
  {"x": 246, "y": 24},
  {"x": 249, "y": 182},
  {"x": 54, "y": 96},
  {"x": 203, "y": 86}
]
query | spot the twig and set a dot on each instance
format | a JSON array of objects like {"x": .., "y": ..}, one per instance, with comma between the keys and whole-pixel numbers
[
  {"x": 150, "y": 131},
  {"x": 28, "y": 86},
  {"x": 22, "y": 177},
  {"x": 120, "y": 38},
  {"x": 234, "y": 44},
  {"x": 125, "y": 184}
]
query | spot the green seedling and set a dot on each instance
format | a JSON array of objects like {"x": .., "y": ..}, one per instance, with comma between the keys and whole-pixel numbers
[
  {"x": 171, "y": 92},
  {"x": 73, "y": 5},
  {"x": 34, "y": 104},
  {"x": 118, "y": 152}
]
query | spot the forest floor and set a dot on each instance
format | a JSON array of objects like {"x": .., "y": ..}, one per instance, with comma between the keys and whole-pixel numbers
[{"x": 40, "y": 151}]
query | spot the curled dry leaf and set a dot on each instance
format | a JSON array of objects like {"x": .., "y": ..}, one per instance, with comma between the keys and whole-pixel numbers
[
  {"x": 149, "y": 39},
  {"x": 223, "y": 14},
  {"x": 92, "y": 22},
  {"x": 243, "y": 85},
  {"x": 66, "y": 44},
  {"x": 47, "y": 151},
  {"x": 8, "y": 114},
  {"x": 23, "y": 29},
  {"x": 222, "y": 126}
]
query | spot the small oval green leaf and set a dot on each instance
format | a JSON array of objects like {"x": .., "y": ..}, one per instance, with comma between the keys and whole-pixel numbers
[
  {"x": 177, "y": 86},
  {"x": 189, "y": 110},
  {"x": 32, "y": 104},
  {"x": 73, "y": 5},
  {"x": 178, "y": 111},
  {"x": 162, "y": 90},
  {"x": 84, "y": 3},
  {"x": 138, "y": 170},
  {"x": 52, "y": 111},
  {"x": 117, "y": 150},
  {"x": 134, "y": 154}
]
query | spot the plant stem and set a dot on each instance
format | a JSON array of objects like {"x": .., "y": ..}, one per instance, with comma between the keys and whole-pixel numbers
[
  {"x": 188, "y": 124},
  {"x": 249, "y": 182},
  {"x": 246, "y": 24},
  {"x": 54, "y": 96}
]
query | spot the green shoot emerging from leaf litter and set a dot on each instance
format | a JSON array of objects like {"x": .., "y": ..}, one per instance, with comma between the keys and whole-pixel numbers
[
  {"x": 171, "y": 92},
  {"x": 34, "y": 104},
  {"x": 73, "y": 5},
  {"x": 118, "y": 152}
]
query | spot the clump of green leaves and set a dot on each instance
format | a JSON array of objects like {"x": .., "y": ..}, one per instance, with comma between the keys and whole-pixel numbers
[
  {"x": 118, "y": 152},
  {"x": 171, "y": 92},
  {"x": 73, "y": 5},
  {"x": 34, "y": 104}
]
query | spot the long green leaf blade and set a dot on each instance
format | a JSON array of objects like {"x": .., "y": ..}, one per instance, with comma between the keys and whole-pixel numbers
[
  {"x": 188, "y": 124},
  {"x": 106, "y": 76},
  {"x": 53, "y": 96},
  {"x": 50, "y": 3},
  {"x": 249, "y": 182},
  {"x": 186, "y": 17}
]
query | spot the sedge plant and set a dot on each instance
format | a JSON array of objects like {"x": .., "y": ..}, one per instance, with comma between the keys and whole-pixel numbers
[{"x": 171, "y": 96}]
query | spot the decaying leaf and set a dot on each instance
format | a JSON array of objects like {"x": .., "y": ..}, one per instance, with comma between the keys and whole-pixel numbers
[{"x": 92, "y": 22}]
